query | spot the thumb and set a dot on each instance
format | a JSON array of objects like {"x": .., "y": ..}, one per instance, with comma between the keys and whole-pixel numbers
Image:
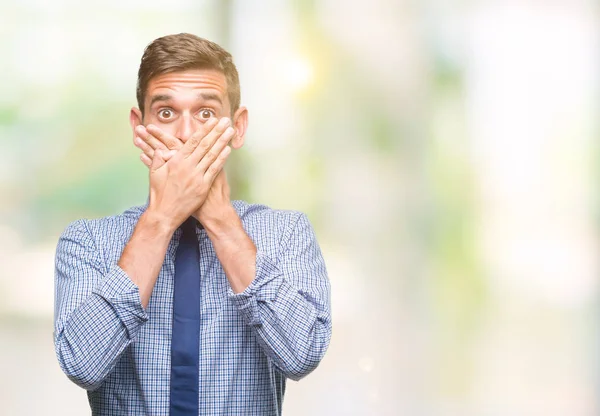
[{"x": 168, "y": 154}]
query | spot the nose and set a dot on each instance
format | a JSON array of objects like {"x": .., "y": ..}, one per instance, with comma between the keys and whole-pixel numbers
[{"x": 187, "y": 126}]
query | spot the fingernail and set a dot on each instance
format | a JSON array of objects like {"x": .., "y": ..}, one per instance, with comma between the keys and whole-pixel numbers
[{"x": 229, "y": 132}]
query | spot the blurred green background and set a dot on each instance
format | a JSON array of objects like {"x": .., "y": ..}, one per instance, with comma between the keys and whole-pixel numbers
[{"x": 446, "y": 153}]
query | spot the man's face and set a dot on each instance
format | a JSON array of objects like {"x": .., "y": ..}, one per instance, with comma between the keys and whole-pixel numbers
[{"x": 180, "y": 102}]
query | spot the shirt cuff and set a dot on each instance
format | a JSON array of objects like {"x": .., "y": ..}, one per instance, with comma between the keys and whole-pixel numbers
[
  {"x": 263, "y": 288},
  {"x": 124, "y": 296}
]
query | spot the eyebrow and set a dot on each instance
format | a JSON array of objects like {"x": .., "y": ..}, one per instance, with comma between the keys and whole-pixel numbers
[
  {"x": 160, "y": 97},
  {"x": 208, "y": 96},
  {"x": 205, "y": 96}
]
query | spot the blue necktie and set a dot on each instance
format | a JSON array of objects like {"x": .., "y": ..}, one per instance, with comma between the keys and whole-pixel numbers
[{"x": 185, "y": 340}]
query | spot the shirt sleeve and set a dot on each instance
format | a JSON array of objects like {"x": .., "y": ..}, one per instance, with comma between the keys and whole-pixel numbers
[
  {"x": 288, "y": 303},
  {"x": 98, "y": 311}
]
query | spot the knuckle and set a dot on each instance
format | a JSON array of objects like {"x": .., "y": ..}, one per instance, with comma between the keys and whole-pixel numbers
[
  {"x": 224, "y": 155},
  {"x": 204, "y": 147}
]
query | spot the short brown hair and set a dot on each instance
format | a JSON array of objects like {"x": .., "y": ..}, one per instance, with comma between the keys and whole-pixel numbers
[{"x": 182, "y": 52}]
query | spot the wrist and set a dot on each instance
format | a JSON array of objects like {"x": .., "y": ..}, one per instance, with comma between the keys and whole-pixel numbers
[
  {"x": 224, "y": 224},
  {"x": 161, "y": 225}
]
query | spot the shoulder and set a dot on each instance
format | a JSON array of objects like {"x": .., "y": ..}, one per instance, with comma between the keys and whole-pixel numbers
[
  {"x": 276, "y": 226},
  {"x": 262, "y": 216},
  {"x": 90, "y": 231}
]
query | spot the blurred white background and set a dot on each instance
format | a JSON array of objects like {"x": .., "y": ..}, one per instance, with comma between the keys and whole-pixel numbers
[{"x": 446, "y": 153}]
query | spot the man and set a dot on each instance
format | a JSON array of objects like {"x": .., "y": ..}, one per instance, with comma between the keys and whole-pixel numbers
[{"x": 191, "y": 304}]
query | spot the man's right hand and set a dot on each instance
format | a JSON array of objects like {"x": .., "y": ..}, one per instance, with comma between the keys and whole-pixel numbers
[{"x": 180, "y": 181}]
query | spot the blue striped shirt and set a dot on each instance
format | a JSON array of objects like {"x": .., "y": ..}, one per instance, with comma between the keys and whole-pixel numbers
[{"x": 250, "y": 342}]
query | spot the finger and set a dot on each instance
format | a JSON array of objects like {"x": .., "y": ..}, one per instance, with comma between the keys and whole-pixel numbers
[
  {"x": 149, "y": 139},
  {"x": 158, "y": 161},
  {"x": 144, "y": 147},
  {"x": 166, "y": 154},
  {"x": 216, "y": 149},
  {"x": 209, "y": 141},
  {"x": 199, "y": 144},
  {"x": 216, "y": 167},
  {"x": 170, "y": 141},
  {"x": 146, "y": 160},
  {"x": 205, "y": 128}
]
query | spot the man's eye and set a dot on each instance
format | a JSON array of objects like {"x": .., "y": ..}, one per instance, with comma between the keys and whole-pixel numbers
[
  {"x": 165, "y": 114},
  {"x": 206, "y": 114}
]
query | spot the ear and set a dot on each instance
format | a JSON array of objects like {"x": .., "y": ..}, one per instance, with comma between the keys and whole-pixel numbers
[
  {"x": 240, "y": 122},
  {"x": 135, "y": 119}
]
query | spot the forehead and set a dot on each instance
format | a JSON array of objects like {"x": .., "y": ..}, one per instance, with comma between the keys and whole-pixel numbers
[{"x": 193, "y": 81}]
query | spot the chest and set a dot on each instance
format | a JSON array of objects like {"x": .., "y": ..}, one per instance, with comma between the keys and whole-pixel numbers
[{"x": 213, "y": 294}]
